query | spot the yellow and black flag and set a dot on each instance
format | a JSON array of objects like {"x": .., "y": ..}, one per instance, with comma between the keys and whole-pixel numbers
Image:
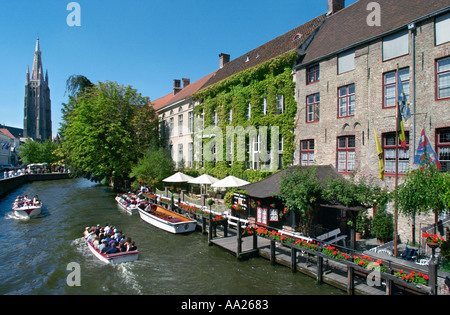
[{"x": 380, "y": 156}]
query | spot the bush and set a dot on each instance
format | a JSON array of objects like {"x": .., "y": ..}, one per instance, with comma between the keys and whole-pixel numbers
[{"x": 383, "y": 226}]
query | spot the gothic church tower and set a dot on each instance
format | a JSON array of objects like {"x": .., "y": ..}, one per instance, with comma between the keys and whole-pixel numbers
[{"x": 37, "y": 123}]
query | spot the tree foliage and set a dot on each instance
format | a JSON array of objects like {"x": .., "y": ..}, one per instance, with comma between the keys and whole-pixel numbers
[
  {"x": 424, "y": 190},
  {"x": 39, "y": 152},
  {"x": 106, "y": 129},
  {"x": 152, "y": 168}
]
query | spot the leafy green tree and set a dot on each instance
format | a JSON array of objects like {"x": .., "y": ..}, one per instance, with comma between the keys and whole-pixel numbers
[
  {"x": 106, "y": 129},
  {"x": 152, "y": 168},
  {"x": 300, "y": 190},
  {"x": 37, "y": 152},
  {"x": 424, "y": 190}
]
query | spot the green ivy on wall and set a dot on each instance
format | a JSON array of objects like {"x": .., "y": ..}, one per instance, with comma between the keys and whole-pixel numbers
[{"x": 265, "y": 81}]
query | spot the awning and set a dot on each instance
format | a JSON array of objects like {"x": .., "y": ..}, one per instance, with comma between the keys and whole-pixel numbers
[
  {"x": 230, "y": 181},
  {"x": 178, "y": 178}
]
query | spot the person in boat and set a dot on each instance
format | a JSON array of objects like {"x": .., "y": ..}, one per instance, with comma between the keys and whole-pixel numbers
[
  {"x": 102, "y": 245},
  {"x": 131, "y": 247}
]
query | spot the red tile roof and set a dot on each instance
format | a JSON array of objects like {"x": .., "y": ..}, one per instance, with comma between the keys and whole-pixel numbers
[
  {"x": 183, "y": 94},
  {"x": 349, "y": 26},
  {"x": 6, "y": 132},
  {"x": 274, "y": 48}
]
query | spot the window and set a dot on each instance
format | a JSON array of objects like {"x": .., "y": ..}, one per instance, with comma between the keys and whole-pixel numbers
[
  {"x": 261, "y": 215},
  {"x": 230, "y": 117},
  {"x": 249, "y": 111},
  {"x": 180, "y": 124},
  {"x": 214, "y": 117},
  {"x": 390, "y": 156},
  {"x": 191, "y": 122},
  {"x": 307, "y": 152},
  {"x": 390, "y": 87},
  {"x": 312, "y": 108},
  {"x": 180, "y": 154},
  {"x": 280, "y": 104},
  {"x": 346, "y": 61},
  {"x": 346, "y": 154},
  {"x": 346, "y": 101},
  {"x": 442, "y": 26},
  {"x": 171, "y": 126},
  {"x": 190, "y": 157},
  {"x": 443, "y": 148},
  {"x": 443, "y": 78},
  {"x": 313, "y": 74},
  {"x": 396, "y": 45},
  {"x": 273, "y": 215},
  {"x": 264, "y": 106}
]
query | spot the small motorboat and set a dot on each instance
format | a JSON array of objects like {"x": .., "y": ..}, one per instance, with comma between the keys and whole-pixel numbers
[
  {"x": 114, "y": 259},
  {"x": 167, "y": 220},
  {"x": 27, "y": 208}
]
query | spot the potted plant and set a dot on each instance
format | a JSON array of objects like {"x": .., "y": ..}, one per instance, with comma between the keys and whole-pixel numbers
[
  {"x": 432, "y": 240},
  {"x": 382, "y": 226}
]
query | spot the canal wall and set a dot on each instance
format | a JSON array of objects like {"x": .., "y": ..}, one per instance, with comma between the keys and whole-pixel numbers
[{"x": 9, "y": 184}]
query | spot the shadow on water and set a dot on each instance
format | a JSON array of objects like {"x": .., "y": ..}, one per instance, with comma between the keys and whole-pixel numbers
[{"x": 39, "y": 250}]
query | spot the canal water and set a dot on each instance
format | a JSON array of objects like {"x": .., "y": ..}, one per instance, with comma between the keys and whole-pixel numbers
[{"x": 35, "y": 253}]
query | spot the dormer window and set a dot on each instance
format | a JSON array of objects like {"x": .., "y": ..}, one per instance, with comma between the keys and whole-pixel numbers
[{"x": 297, "y": 36}]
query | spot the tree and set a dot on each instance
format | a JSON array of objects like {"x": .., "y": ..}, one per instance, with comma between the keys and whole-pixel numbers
[
  {"x": 300, "y": 190},
  {"x": 37, "y": 152},
  {"x": 107, "y": 128},
  {"x": 424, "y": 190},
  {"x": 153, "y": 167}
]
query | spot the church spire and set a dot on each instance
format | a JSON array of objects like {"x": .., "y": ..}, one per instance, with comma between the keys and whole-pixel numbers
[{"x": 36, "y": 72}]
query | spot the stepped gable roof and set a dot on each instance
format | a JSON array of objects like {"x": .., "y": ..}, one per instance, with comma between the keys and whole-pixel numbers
[
  {"x": 182, "y": 94},
  {"x": 349, "y": 26},
  {"x": 270, "y": 186},
  {"x": 274, "y": 48}
]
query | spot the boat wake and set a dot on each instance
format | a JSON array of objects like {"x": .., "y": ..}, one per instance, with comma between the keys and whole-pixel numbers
[
  {"x": 12, "y": 216},
  {"x": 129, "y": 277}
]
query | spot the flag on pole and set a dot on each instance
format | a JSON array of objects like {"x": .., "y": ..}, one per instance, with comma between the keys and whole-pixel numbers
[
  {"x": 425, "y": 152},
  {"x": 380, "y": 157},
  {"x": 402, "y": 100}
]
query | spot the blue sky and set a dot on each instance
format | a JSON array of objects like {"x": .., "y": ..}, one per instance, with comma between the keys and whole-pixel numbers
[{"x": 142, "y": 43}]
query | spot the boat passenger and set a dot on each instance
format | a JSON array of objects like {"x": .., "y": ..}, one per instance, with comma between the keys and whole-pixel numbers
[{"x": 102, "y": 245}]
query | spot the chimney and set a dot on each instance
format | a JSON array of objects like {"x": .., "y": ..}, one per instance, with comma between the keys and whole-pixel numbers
[
  {"x": 186, "y": 82},
  {"x": 176, "y": 86},
  {"x": 335, "y": 6},
  {"x": 223, "y": 60}
]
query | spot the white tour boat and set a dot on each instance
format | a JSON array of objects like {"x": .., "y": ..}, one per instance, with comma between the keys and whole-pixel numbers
[
  {"x": 126, "y": 204},
  {"x": 167, "y": 220},
  {"x": 114, "y": 259}
]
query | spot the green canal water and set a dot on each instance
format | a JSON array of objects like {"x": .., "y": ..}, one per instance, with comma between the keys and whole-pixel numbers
[{"x": 35, "y": 254}]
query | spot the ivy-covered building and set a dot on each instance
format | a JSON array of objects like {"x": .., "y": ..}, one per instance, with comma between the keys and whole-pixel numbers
[{"x": 250, "y": 102}]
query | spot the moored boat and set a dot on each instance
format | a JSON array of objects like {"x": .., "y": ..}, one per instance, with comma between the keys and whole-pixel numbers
[
  {"x": 128, "y": 203},
  {"x": 167, "y": 220},
  {"x": 27, "y": 208},
  {"x": 114, "y": 258}
]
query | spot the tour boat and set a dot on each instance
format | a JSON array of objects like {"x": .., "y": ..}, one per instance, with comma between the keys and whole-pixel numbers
[
  {"x": 127, "y": 205},
  {"x": 167, "y": 220},
  {"x": 114, "y": 259},
  {"x": 26, "y": 208}
]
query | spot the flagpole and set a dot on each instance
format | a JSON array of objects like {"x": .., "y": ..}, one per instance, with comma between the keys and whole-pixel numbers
[{"x": 396, "y": 170}]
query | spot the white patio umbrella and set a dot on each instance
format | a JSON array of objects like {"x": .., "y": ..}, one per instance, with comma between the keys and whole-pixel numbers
[
  {"x": 230, "y": 181},
  {"x": 178, "y": 178},
  {"x": 204, "y": 179}
]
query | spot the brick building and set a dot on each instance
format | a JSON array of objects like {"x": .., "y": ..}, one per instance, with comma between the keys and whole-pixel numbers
[{"x": 347, "y": 84}]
